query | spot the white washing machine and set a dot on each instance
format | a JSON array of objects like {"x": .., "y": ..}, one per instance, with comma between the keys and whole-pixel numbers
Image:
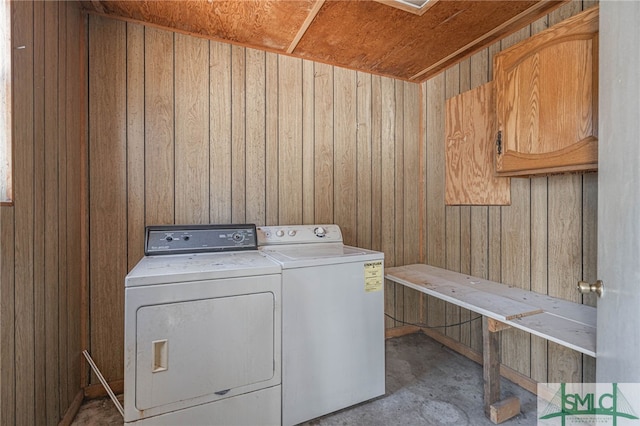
[
  {"x": 202, "y": 329},
  {"x": 332, "y": 320}
]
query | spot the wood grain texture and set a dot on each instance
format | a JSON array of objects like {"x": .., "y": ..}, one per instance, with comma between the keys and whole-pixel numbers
[
  {"x": 159, "y": 127},
  {"x": 376, "y": 162},
  {"x": 288, "y": 124},
  {"x": 39, "y": 72},
  {"x": 290, "y": 140},
  {"x": 135, "y": 144},
  {"x": 255, "y": 136},
  {"x": 305, "y": 25},
  {"x": 51, "y": 246},
  {"x": 270, "y": 24},
  {"x": 403, "y": 306},
  {"x": 40, "y": 288},
  {"x": 408, "y": 46},
  {"x": 364, "y": 158},
  {"x": 414, "y": 51},
  {"x": 490, "y": 366},
  {"x": 565, "y": 261},
  {"x": 413, "y": 170},
  {"x": 388, "y": 170},
  {"x": 414, "y": 301},
  {"x": 565, "y": 226},
  {"x": 7, "y": 315},
  {"x": 191, "y": 130},
  {"x": 289, "y": 97},
  {"x": 435, "y": 210},
  {"x": 452, "y": 215},
  {"x": 271, "y": 126},
  {"x": 479, "y": 230},
  {"x": 344, "y": 155},
  {"x": 323, "y": 167},
  {"x": 238, "y": 135},
  {"x": 503, "y": 242},
  {"x": 570, "y": 324},
  {"x": 488, "y": 298},
  {"x": 539, "y": 265},
  {"x": 376, "y": 194},
  {"x": 549, "y": 125},
  {"x": 465, "y": 221},
  {"x": 308, "y": 142},
  {"x": 23, "y": 156},
  {"x": 470, "y": 148},
  {"x": 75, "y": 195},
  {"x": 220, "y": 120},
  {"x": 399, "y": 172},
  {"x": 107, "y": 162},
  {"x": 515, "y": 250}
]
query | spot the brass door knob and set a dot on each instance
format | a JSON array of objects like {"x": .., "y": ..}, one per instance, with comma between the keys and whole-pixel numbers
[{"x": 597, "y": 288}]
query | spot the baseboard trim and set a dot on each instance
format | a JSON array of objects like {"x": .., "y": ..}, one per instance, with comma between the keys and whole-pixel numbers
[
  {"x": 73, "y": 409},
  {"x": 400, "y": 331},
  {"x": 96, "y": 390}
]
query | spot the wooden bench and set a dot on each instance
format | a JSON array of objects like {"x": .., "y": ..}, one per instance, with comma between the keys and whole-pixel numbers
[{"x": 566, "y": 323}]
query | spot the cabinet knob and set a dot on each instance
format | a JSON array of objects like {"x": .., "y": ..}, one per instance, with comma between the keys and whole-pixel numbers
[{"x": 597, "y": 288}]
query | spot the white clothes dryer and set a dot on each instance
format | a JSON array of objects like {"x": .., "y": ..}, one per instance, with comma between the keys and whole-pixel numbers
[
  {"x": 202, "y": 329},
  {"x": 332, "y": 320}
]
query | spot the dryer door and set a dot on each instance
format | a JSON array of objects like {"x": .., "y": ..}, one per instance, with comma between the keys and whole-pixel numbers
[{"x": 217, "y": 347}]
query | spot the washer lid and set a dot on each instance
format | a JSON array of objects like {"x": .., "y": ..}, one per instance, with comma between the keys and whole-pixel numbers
[
  {"x": 303, "y": 255},
  {"x": 166, "y": 269}
]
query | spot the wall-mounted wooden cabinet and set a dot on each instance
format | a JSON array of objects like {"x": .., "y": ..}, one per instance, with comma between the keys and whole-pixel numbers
[
  {"x": 470, "y": 131},
  {"x": 537, "y": 117},
  {"x": 546, "y": 92}
]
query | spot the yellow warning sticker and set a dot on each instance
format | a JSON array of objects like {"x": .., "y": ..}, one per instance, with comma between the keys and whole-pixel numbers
[{"x": 373, "y": 276}]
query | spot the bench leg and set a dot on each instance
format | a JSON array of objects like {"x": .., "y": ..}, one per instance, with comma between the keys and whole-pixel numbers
[{"x": 495, "y": 409}]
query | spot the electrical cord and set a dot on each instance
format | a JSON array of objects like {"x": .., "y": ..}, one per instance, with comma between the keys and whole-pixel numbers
[{"x": 434, "y": 326}]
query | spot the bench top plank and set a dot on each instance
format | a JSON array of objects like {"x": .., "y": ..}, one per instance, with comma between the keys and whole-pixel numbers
[
  {"x": 579, "y": 337},
  {"x": 583, "y": 314},
  {"x": 490, "y": 305},
  {"x": 567, "y": 323}
]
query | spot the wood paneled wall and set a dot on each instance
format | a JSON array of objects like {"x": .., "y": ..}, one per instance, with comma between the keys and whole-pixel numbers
[
  {"x": 185, "y": 130},
  {"x": 544, "y": 241},
  {"x": 43, "y": 249}
]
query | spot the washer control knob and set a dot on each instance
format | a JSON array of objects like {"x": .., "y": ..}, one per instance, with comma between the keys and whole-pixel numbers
[
  {"x": 169, "y": 238},
  {"x": 279, "y": 233},
  {"x": 292, "y": 233},
  {"x": 320, "y": 232}
]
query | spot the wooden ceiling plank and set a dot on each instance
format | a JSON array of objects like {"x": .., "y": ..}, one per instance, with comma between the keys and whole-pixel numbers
[
  {"x": 470, "y": 47},
  {"x": 97, "y": 5},
  {"x": 402, "y": 6},
  {"x": 305, "y": 25},
  {"x": 406, "y": 46}
]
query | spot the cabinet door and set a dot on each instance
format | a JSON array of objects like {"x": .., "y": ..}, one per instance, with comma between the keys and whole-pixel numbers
[
  {"x": 470, "y": 133},
  {"x": 546, "y": 100}
]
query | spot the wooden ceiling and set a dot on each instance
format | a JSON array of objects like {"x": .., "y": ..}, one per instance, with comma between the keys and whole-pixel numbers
[{"x": 366, "y": 35}]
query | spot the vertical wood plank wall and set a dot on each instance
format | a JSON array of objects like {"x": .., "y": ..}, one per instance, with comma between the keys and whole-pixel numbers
[
  {"x": 544, "y": 241},
  {"x": 185, "y": 130},
  {"x": 42, "y": 249}
]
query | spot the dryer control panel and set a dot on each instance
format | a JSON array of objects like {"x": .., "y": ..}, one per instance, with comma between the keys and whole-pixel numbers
[{"x": 176, "y": 239}]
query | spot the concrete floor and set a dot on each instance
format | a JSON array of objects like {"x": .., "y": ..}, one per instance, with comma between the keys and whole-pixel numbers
[{"x": 427, "y": 384}]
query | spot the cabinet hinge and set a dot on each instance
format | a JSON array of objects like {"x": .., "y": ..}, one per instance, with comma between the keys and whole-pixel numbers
[{"x": 499, "y": 142}]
